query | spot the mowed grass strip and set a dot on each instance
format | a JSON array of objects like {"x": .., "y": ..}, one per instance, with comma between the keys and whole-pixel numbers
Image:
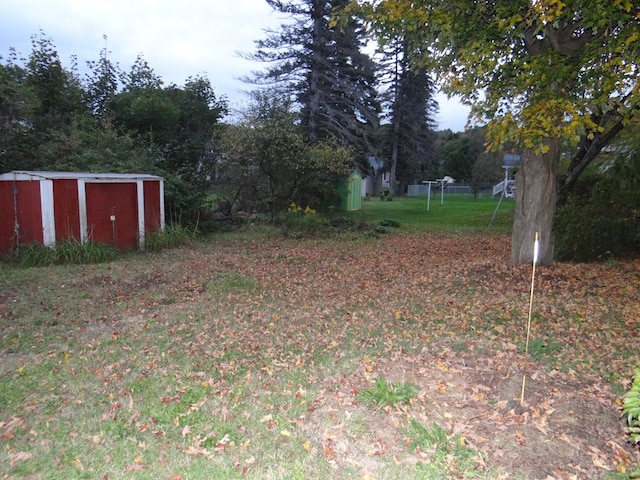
[{"x": 457, "y": 212}]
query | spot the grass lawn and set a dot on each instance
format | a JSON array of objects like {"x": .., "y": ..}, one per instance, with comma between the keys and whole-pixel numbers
[
  {"x": 458, "y": 212},
  {"x": 249, "y": 355}
]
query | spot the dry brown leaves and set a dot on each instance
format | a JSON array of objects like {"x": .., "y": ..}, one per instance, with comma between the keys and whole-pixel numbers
[{"x": 447, "y": 313}]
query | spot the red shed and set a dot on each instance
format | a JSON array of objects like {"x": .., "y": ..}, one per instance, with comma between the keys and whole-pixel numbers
[{"x": 46, "y": 207}]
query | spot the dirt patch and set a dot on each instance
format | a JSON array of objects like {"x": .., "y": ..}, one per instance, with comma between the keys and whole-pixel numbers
[{"x": 567, "y": 428}]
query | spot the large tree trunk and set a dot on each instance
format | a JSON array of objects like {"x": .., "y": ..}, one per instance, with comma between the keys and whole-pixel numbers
[
  {"x": 536, "y": 191},
  {"x": 397, "y": 117},
  {"x": 395, "y": 146},
  {"x": 317, "y": 16}
]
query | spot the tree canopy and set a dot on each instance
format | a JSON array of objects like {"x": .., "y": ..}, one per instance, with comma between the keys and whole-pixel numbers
[
  {"x": 269, "y": 163},
  {"x": 53, "y": 119},
  {"x": 407, "y": 143},
  {"x": 535, "y": 67},
  {"x": 548, "y": 75},
  {"x": 323, "y": 69}
]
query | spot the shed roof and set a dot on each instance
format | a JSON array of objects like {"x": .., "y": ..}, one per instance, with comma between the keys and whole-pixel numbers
[{"x": 36, "y": 175}]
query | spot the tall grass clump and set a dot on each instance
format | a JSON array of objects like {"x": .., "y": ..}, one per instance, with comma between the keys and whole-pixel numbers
[
  {"x": 171, "y": 237},
  {"x": 387, "y": 394},
  {"x": 450, "y": 455},
  {"x": 65, "y": 252}
]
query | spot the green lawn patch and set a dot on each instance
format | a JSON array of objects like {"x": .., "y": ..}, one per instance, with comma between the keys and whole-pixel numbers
[{"x": 459, "y": 212}]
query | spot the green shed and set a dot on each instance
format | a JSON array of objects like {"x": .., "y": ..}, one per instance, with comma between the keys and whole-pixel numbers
[{"x": 350, "y": 190}]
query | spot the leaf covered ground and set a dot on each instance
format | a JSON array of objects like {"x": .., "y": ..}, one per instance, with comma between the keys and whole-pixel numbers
[{"x": 242, "y": 358}]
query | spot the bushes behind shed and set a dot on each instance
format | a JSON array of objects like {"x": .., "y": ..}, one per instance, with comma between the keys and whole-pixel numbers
[{"x": 600, "y": 220}]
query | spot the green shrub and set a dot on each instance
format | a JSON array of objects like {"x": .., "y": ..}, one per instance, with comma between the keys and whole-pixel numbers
[
  {"x": 343, "y": 223},
  {"x": 389, "y": 223},
  {"x": 631, "y": 409},
  {"x": 601, "y": 219},
  {"x": 89, "y": 252},
  {"x": 172, "y": 236},
  {"x": 299, "y": 222}
]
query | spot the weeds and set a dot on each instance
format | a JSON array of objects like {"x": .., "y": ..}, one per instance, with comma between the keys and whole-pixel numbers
[
  {"x": 74, "y": 252},
  {"x": 387, "y": 394},
  {"x": 451, "y": 456},
  {"x": 64, "y": 253},
  {"x": 171, "y": 237},
  {"x": 298, "y": 222},
  {"x": 389, "y": 223},
  {"x": 540, "y": 349},
  {"x": 631, "y": 409}
]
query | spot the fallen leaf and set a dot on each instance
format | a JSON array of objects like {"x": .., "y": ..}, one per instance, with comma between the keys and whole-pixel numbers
[
  {"x": 600, "y": 464},
  {"x": 328, "y": 450},
  {"x": 21, "y": 457}
]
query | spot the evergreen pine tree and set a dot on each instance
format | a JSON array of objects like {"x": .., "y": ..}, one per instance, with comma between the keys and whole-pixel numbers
[
  {"x": 408, "y": 146},
  {"x": 322, "y": 67}
]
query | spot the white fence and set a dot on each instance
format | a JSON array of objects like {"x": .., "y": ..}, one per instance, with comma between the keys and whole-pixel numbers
[{"x": 417, "y": 190}]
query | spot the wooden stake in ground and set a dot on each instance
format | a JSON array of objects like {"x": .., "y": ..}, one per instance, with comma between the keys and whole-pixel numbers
[{"x": 526, "y": 346}]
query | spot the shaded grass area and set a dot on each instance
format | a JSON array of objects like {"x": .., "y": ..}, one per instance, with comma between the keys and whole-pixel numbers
[{"x": 249, "y": 358}]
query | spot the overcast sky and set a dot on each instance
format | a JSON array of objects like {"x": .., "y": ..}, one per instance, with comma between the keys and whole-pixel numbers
[{"x": 178, "y": 39}]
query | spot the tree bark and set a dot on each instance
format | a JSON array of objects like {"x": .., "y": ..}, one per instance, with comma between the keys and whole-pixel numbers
[
  {"x": 317, "y": 16},
  {"x": 588, "y": 150},
  {"x": 397, "y": 118},
  {"x": 536, "y": 192},
  {"x": 395, "y": 146}
]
